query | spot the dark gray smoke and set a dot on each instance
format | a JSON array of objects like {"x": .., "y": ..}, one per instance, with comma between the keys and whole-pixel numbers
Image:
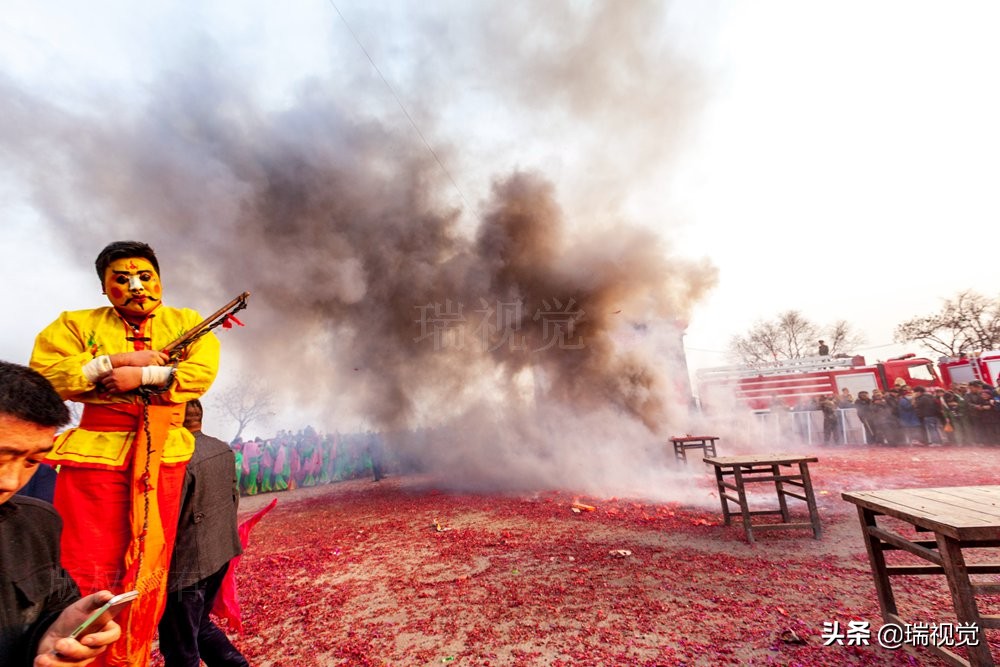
[{"x": 374, "y": 285}]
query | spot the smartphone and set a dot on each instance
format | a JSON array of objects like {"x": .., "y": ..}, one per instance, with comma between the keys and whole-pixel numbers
[{"x": 105, "y": 613}]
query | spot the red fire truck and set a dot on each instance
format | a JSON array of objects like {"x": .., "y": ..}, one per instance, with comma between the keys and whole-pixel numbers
[
  {"x": 984, "y": 366},
  {"x": 794, "y": 381}
]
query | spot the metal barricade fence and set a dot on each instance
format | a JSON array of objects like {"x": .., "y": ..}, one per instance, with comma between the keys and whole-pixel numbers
[{"x": 806, "y": 427}]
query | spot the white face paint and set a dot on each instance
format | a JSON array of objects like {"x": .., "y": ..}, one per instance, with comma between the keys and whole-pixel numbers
[{"x": 134, "y": 282}]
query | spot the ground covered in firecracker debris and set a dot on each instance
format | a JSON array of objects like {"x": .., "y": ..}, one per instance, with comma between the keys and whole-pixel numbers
[{"x": 402, "y": 573}]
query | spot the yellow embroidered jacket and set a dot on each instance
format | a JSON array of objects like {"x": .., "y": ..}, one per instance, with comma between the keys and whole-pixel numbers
[{"x": 64, "y": 347}]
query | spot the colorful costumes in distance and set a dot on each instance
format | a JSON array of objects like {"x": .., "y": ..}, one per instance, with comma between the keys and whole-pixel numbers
[{"x": 251, "y": 467}]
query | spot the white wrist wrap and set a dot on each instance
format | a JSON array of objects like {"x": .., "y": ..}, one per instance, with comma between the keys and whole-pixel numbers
[
  {"x": 96, "y": 368},
  {"x": 157, "y": 375}
]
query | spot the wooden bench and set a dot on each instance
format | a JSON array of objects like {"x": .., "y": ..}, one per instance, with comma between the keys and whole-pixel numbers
[
  {"x": 706, "y": 443},
  {"x": 960, "y": 518},
  {"x": 734, "y": 473}
]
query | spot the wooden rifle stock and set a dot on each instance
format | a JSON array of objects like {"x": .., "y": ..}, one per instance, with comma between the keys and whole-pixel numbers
[{"x": 210, "y": 322}]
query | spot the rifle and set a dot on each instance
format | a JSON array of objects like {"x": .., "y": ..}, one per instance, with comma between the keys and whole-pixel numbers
[{"x": 221, "y": 316}]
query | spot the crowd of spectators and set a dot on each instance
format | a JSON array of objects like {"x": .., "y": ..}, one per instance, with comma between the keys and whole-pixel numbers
[{"x": 965, "y": 414}]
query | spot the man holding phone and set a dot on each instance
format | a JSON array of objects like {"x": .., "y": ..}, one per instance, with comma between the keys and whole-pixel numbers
[
  {"x": 121, "y": 469},
  {"x": 40, "y": 604}
]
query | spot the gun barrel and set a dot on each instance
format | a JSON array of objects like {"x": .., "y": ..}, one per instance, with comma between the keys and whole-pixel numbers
[{"x": 209, "y": 322}]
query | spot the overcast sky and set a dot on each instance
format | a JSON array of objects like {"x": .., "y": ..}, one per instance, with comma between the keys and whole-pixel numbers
[{"x": 838, "y": 158}]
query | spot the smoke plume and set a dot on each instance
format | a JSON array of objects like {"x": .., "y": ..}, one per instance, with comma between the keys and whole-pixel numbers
[{"x": 533, "y": 340}]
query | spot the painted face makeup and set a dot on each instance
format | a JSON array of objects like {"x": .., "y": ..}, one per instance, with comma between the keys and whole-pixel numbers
[{"x": 133, "y": 286}]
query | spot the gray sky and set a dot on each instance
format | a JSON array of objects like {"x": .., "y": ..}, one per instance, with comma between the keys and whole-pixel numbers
[{"x": 835, "y": 158}]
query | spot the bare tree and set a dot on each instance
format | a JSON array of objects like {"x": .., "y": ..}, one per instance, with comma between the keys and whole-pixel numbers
[
  {"x": 790, "y": 336},
  {"x": 843, "y": 338},
  {"x": 968, "y": 322},
  {"x": 246, "y": 401}
]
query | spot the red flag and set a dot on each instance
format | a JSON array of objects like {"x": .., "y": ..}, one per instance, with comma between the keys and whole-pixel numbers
[
  {"x": 227, "y": 602},
  {"x": 227, "y": 323}
]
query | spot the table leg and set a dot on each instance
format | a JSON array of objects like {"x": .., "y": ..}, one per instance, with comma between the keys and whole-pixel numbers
[
  {"x": 710, "y": 447},
  {"x": 779, "y": 489},
  {"x": 720, "y": 481},
  {"x": 744, "y": 506},
  {"x": 964, "y": 599},
  {"x": 883, "y": 587},
  {"x": 807, "y": 486},
  {"x": 680, "y": 453}
]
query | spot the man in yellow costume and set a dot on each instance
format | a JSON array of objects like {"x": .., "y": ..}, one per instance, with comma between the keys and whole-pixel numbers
[{"x": 121, "y": 470}]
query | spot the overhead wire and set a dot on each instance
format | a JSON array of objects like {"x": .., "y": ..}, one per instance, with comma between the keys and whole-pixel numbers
[{"x": 399, "y": 101}]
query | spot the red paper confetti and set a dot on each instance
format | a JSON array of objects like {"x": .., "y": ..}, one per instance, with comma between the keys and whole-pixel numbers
[{"x": 351, "y": 574}]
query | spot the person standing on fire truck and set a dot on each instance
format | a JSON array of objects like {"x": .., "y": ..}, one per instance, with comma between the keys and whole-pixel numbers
[{"x": 824, "y": 350}]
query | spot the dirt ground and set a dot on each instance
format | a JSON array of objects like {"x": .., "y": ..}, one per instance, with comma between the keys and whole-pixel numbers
[{"x": 401, "y": 573}]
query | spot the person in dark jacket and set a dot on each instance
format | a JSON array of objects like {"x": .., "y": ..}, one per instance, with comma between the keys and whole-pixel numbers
[
  {"x": 863, "y": 404},
  {"x": 931, "y": 414},
  {"x": 956, "y": 416},
  {"x": 909, "y": 422},
  {"x": 40, "y": 604},
  {"x": 828, "y": 404},
  {"x": 978, "y": 406},
  {"x": 207, "y": 540},
  {"x": 883, "y": 422}
]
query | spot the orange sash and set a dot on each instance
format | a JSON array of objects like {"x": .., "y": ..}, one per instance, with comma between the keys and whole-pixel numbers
[{"x": 147, "y": 505}]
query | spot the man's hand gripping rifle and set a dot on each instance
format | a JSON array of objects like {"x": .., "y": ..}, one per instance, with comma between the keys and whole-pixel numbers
[
  {"x": 129, "y": 376},
  {"x": 222, "y": 317}
]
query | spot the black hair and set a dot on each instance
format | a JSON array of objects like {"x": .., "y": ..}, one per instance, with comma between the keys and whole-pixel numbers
[
  {"x": 193, "y": 410},
  {"x": 26, "y": 395},
  {"x": 121, "y": 250}
]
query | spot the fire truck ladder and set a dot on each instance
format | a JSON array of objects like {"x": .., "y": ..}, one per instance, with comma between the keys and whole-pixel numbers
[{"x": 799, "y": 365}]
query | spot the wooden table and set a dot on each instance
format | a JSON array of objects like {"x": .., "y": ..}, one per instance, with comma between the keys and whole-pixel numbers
[
  {"x": 706, "y": 443},
  {"x": 733, "y": 473},
  {"x": 961, "y": 518}
]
